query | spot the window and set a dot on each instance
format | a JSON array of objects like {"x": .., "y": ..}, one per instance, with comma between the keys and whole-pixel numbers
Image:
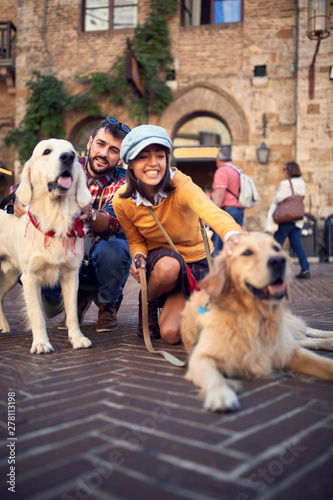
[
  {"x": 197, "y": 12},
  {"x": 260, "y": 70},
  {"x": 202, "y": 130},
  {"x": 103, "y": 15},
  {"x": 209, "y": 138}
]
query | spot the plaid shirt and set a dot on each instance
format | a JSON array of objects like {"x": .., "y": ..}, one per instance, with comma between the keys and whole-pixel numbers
[{"x": 104, "y": 188}]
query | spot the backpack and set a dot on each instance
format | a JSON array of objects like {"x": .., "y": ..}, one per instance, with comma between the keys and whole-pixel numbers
[{"x": 248, "y": 193}]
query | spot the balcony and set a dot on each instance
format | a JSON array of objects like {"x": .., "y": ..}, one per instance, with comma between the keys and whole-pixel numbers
[{"x": 7, "y": 61}]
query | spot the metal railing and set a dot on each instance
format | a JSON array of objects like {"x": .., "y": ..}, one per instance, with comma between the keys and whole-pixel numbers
[{"x": 7, "y": 37}]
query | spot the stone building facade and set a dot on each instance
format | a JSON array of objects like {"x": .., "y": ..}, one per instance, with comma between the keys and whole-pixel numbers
[{"x": 250, "y": 76}]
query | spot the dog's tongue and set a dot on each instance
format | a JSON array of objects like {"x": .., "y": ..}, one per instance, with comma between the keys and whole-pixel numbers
[
  {"x": 275, "y": 289},
  {"x": 65, "y": 182}
]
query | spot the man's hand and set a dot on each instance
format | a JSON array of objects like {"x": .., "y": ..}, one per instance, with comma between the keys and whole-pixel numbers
[
  {"x": 98, "y": 221},
  {"x": 85, "y": 212},
  {"x": 19, "y": 209}
]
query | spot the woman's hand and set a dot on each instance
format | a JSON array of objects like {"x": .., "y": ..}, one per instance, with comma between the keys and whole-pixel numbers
[
  {"x": 234, "y": 238},
  {"x": 134, "y": 269}
]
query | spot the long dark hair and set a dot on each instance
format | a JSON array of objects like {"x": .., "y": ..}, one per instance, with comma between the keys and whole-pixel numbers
[
  {"x": 293, "y": 169},
  {"x": 133, "y": 185}
]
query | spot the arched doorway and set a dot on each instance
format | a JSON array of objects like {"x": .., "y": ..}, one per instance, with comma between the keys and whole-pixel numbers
[
  {"x": 196, "y": 144},
  {"x": 208, "y": 100},
  {"x": 80, "y": 135}
]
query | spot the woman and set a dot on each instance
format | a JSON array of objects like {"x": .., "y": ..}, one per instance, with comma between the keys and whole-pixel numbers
[
  {"x": 178, "y": 203},
  {"x": 292, "y": 230}
]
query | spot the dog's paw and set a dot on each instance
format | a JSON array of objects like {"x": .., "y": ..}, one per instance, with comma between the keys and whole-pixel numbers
[
  {"x": 4, "y": 327},
  {"x": 41, "y": 348},
  {"x": 221, "y": 399},
  {"x": 81, "y": 343},
  {"x": 4, "y": 330},
  {"x": 328, "y": 345}
]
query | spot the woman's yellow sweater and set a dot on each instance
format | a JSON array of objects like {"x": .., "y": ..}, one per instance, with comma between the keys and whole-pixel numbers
[{"x": 179, "y": 214}]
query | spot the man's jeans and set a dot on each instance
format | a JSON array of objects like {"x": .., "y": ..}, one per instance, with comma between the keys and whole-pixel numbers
[
  {"x": 235, "y": 212},
  {"x": 111, "y": 260},
  {"x": 291, "y": 231}
]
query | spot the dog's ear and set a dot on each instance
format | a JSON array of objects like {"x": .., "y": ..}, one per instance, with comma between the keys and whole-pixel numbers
[
  {"x": 83, "y": 195},
  {"x": 24, "y": 191},
  {"x": 215, "y": 282}
]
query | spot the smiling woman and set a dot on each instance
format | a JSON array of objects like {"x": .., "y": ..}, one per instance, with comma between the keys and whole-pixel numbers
[
  {"x": 149, "y": 168},
  {"x": 177, "y": 202}
]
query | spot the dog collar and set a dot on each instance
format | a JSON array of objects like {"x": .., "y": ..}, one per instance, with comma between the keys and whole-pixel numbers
[
  {"x": 202, "y": 310},
  {"x": 75, "y": 231}
]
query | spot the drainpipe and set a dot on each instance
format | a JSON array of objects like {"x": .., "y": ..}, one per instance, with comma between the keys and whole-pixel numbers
[{"x": 297, "y": 9}]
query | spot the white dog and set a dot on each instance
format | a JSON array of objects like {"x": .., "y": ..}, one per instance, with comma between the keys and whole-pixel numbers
[{"x": 46, "y": 245}]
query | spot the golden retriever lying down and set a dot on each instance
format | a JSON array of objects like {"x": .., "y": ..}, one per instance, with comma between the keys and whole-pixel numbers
[
  {"x": 46, "y": 244},
  {"x": 238, "y": 326}
]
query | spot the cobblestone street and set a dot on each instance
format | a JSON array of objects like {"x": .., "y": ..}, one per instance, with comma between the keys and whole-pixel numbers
[{"x": 115, "y": 422}]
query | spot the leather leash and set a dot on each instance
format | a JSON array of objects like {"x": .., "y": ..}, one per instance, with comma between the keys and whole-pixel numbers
[
  {"x": 168, "y": 357},
  {"x": 169, "y": 240},
  {"x": 144, "y": 300}
]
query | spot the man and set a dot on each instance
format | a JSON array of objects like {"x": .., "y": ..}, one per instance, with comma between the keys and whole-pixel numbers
[
  {"x": 109, "y": 254},
  {"x": 226, "y": 185}
]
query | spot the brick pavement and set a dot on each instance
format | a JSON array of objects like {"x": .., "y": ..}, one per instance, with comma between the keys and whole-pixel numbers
[{"x": 115, "y": 422}]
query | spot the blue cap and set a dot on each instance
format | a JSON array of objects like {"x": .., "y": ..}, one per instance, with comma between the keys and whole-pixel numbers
[{"x": 140, "y": 137}]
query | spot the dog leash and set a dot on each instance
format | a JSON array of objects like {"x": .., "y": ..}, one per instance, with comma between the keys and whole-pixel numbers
[
  {"x": 168, "y": 357},
  {"x": 171, "y": 243},
  {"x": 206, "y": 244},
  {"x": 143, "y": 281}
]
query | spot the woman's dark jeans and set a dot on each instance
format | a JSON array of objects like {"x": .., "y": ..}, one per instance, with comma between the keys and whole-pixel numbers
[{"x": 291, "y": 231}]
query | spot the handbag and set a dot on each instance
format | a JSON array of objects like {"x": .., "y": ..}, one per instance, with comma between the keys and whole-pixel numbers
[
  {"x": 192, "y": 282},
  {"x": 290, "y": 209}
]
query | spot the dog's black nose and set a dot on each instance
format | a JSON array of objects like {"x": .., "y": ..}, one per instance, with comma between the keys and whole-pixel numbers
[
  {"x": 67, "y": 158},
  {"x": 277, "y": 265}
]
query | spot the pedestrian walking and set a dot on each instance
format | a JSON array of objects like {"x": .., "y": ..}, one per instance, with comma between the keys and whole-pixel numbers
[
  {"x": 226, "y": 186},
  {"x": 292, "y": 230}
]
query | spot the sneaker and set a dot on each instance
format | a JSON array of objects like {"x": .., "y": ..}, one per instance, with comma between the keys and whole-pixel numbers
[
  {"x": 62, "y": 325},
  {"x": 304, "y": 275},
  {"x": 154, "y": 329},
  {"x": 83, "y": 304},
  {"x": 107, "y": 318}
]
